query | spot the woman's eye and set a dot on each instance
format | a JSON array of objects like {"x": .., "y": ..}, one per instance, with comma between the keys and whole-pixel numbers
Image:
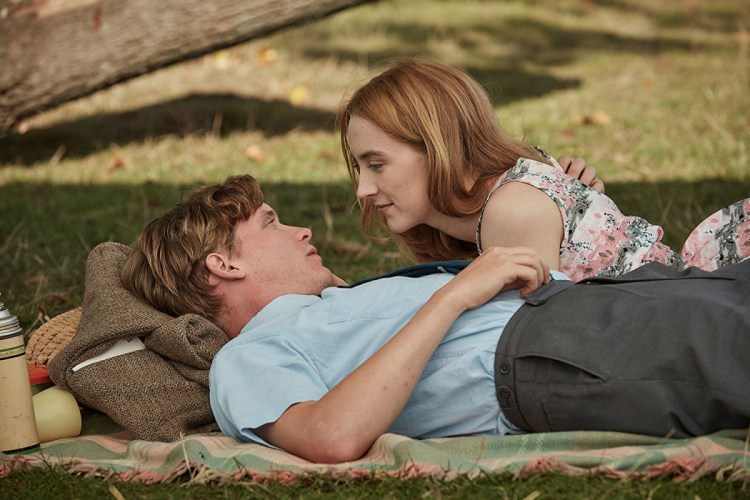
[{"x": 374, "y": 166}]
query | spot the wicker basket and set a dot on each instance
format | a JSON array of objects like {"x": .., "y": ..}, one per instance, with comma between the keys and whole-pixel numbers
[{"x": 50, "y": 338}]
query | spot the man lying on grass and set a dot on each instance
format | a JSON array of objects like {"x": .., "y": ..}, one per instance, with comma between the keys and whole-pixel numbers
[{"x": 504, "y": 346}]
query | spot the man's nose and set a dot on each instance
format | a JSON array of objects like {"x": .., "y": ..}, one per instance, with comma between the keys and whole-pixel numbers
[
  {"x": 365, "y": 186},
  {"x": 303, "y": 233}
]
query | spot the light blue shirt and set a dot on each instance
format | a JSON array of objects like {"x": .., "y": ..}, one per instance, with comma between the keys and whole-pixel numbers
[{"x": 299, "y": 347}]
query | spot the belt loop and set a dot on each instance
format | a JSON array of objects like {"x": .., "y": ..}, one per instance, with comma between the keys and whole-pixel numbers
[{"x": 543, "y": 293}]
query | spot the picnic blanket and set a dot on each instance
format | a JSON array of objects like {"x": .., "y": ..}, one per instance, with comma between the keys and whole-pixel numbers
[
  {"x": 185, "y": 450},
  {"x": 216, "y": 458}
]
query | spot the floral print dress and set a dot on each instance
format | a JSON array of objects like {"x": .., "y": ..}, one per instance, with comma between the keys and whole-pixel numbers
[{"x": 599, "y": 240}]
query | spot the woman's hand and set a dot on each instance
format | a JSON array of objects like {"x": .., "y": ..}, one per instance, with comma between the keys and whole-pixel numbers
[
  {"x": 576, "y": 167},
  {"x": 498, "y": 269},
  {"x": 338, "y": 281},
  {"x": 347, "y": 420}
]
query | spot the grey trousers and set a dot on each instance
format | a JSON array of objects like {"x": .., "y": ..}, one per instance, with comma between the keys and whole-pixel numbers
[{"x": 656, "y": 351}]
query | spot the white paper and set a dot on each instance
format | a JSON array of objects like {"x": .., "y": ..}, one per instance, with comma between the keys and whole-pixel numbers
[{"x": 122, "y": 346}]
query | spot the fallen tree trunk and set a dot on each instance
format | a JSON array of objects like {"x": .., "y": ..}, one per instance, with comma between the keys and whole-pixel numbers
[{"x": 54, "y": 51}]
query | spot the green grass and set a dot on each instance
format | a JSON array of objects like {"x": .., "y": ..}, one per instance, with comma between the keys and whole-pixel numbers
[
  {"x": 671, "y": 80},
  {"x": 26, "y": 485}
]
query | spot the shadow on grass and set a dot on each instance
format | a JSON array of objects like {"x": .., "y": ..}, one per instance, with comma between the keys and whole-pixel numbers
[
  {"x": 507, "y": 79},
  {"x": 545, "y": 43},
  {"x": 196, "y": 114},
  {"x": 219, "y": 114},
  {"x": 718, "y": 16},
  {"x": 44, "y": 243}
]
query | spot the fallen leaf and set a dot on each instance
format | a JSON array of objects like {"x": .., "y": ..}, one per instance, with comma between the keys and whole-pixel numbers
[
  {"x": 267, "y": 56},
  {"x": 596, "y": 118},
  {"x": 222, "y": 59},
  {"x": 569, "y": 132},
  {"x": 116, "y": 163},
  {"x": 298, "y": 95},
  {"x": 255, "y": 153}
]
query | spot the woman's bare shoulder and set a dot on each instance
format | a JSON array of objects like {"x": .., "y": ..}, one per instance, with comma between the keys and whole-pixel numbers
[{"x": 520, "y": 214}]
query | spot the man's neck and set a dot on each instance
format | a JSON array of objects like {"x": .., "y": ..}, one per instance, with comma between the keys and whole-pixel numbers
[
  {"x": 233, "y": 319},
  {"x": 230, "y": 326}
]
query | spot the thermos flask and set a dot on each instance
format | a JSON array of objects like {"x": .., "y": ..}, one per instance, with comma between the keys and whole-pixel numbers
[{"x": 18, "y": 432}]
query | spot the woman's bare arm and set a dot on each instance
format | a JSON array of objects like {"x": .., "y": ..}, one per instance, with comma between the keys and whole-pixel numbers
[{"x": 520, "y": 214}]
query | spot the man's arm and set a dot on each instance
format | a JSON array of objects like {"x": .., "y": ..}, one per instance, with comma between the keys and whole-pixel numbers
[{"x": 344, "y": 423}]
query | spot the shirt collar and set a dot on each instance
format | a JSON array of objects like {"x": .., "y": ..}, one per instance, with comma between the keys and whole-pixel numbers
[{"x": 286, "y": 304}]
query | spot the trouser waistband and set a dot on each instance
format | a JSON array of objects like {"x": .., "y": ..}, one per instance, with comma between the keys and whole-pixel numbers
[
  {"x": 507, "y": 348},
  {"x": 668, "y": 347}
]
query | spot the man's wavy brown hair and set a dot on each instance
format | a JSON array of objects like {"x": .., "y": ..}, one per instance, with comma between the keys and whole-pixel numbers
[{"x": 167, "y": 265}]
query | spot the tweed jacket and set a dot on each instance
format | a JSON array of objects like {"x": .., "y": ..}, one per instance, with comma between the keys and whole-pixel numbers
[{"x": 159, "y": 393}]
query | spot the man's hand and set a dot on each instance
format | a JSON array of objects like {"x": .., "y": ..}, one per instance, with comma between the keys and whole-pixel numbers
[{"x": 576, "y": 167}]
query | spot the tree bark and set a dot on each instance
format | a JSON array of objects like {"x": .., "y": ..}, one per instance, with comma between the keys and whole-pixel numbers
[{"x": 54, "y": 51}]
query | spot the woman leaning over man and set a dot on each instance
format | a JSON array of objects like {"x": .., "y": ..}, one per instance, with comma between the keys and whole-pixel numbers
[{"x": 431, "y": 165}]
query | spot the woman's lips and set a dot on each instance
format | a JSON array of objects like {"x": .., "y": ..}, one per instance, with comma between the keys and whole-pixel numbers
[{"x": 384, "y": 208}]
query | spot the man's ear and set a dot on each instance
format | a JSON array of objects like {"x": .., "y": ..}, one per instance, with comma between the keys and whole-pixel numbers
[{"x": 218, "y": 265}]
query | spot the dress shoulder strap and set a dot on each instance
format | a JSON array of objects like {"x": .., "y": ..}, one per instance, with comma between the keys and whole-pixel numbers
[
  {"x": 478, "y": 232},
  {"x": 500, "y": 181}
]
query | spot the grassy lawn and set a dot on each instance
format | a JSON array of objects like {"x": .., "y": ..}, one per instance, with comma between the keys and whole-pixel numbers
[
  {"x": 40, "y": 483},
  {"x": 656, "y": 95}
]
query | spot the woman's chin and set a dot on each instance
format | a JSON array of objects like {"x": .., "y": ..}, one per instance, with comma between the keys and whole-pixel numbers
[
  {"x": 397, "y": 226},
  {"x": 397, "y": 229},
  {"x": 393, "y": 227}
]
